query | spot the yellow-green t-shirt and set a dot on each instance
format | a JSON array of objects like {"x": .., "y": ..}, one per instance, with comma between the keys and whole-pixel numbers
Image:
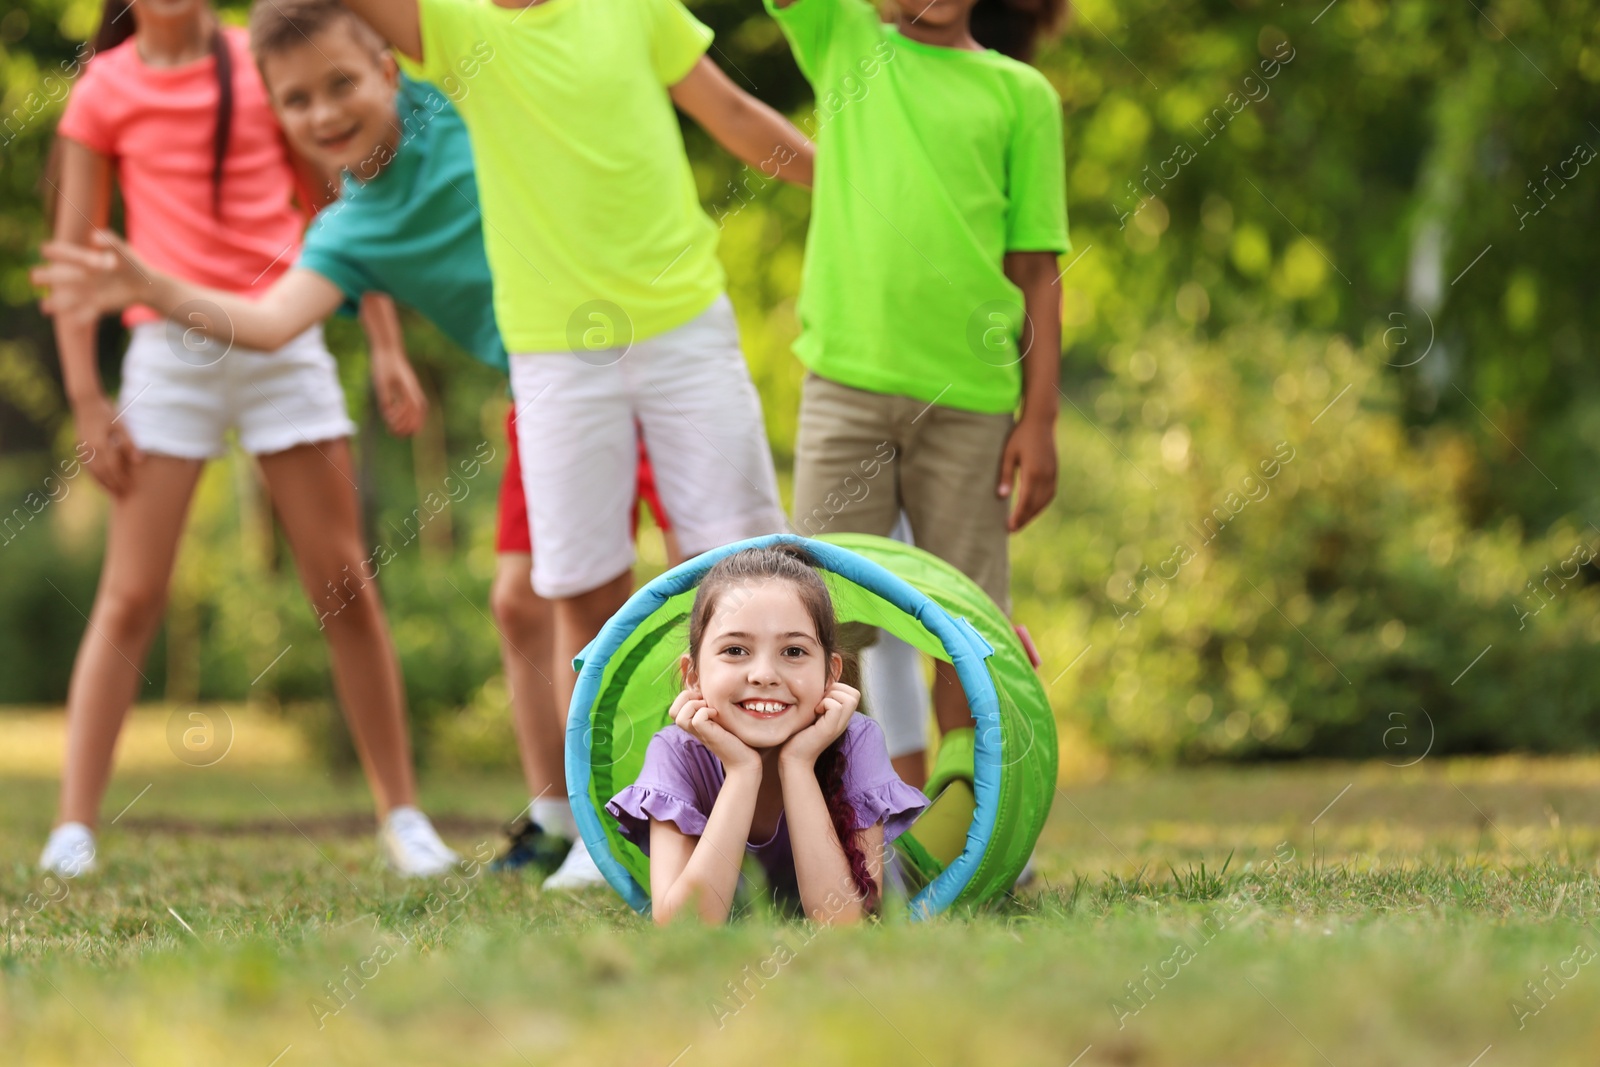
[
  {"x": 932, "y": 164},
  {"x": 591, "y": 220}
]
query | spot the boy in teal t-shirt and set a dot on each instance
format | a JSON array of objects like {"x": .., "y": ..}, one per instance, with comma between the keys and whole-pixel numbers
[
  {"x": 412, "y": 229},
  {"x": 930, "y": 300}
]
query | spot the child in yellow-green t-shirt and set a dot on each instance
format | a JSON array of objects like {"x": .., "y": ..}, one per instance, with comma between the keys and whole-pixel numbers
[{"x": 607, "y": 288}]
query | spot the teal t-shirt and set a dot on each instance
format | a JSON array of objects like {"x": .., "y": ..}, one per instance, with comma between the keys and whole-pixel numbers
[
  {"x": 932, "y": 164},
  {"x": 414, "y": 230}
]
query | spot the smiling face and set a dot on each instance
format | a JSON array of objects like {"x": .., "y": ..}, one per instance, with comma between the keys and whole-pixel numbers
[
  {"x": 335, "y": 98},
  {"x": 760, "y": 664}
]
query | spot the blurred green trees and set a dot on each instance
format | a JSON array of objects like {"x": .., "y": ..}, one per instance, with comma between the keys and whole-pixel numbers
[
  {"x": 1361, "y": 232},
  {"x": 1260, "y": 558}
]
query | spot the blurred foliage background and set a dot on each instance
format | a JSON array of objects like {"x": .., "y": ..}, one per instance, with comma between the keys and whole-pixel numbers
[{"x": 1330, "y": 401}]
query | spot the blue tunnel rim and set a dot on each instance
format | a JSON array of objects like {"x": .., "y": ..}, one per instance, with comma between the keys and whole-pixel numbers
[{"x": 968, "y": 654}]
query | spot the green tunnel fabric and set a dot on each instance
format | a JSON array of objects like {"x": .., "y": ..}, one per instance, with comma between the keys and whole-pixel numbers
[{"x": 629, "y": 677}]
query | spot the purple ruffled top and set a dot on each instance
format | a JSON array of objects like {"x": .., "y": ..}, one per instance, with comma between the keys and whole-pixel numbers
[{"x": 681, "y": 779}]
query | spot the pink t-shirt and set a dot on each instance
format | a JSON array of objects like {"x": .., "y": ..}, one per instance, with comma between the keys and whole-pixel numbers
[{"x": 158, "y": 125}]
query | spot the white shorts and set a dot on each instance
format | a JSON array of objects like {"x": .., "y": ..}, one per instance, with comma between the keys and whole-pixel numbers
[
  {"x": 691, "y": 394},
  {"x": 182, "y": 392}
]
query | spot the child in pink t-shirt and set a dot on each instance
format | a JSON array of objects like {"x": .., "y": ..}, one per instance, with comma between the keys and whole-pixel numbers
[{"x": 172, "y": 108}]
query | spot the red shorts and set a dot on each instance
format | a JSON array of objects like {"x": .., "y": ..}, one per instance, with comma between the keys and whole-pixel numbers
[{"x": 513, "y": 535}]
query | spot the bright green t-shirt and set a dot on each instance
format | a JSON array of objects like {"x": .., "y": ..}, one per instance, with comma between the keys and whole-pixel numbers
[
  {"x": 932, "y": 164},
  {"x": 591, "y": 219}
]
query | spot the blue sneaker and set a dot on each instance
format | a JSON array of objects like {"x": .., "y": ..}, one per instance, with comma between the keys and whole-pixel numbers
[{"x": 530, "y": 845}]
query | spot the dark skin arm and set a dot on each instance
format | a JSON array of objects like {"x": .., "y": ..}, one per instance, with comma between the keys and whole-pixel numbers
[{"x": 1028, "y": 465}]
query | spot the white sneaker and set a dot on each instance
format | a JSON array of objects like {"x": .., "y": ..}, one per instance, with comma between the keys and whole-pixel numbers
[
  {"x": 69, "y": 852},
  {"x": 411, "y": 846},
  {"x": 577, "y": 871},
  {"x": 1029, "y": 873}
]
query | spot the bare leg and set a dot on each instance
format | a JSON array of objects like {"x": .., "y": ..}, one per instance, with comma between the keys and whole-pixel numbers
[
  {"x": 141, "y": 545},
  {"x": 314, "y": 493},
  {"x": 578, "y": 620},
  {"x": 912, "y": 768},
  {"x": 675, "y": 554},
  {"x": 949, "y": 699},
  {"x": 527, "y": 639}
]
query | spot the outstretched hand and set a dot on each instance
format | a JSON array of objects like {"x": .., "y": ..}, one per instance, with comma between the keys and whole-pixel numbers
[
  {"x": 833, "y": 715},
  {"x": 698, "y": 719},
  {"x": 86, "y": 282}
]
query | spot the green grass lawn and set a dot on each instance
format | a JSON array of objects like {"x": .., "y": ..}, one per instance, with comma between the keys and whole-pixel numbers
[{"x": 1316, "y": 914}]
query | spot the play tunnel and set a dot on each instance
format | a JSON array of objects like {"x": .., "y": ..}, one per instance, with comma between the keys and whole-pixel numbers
[{"x": 991, "y": 786}]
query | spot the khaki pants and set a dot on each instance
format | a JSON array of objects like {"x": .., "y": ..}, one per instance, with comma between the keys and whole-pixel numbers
[{"x": 862, "y": 457}]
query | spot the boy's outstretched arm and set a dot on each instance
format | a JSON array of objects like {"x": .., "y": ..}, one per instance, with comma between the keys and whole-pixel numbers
[
  {"x": 746, "y": 127},
  {"x": 85, "y": 283},
  {"x": 397, "y": 21}
]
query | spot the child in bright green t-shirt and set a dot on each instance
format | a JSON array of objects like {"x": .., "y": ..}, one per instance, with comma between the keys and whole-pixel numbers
[{"x": 930, "y": 302}]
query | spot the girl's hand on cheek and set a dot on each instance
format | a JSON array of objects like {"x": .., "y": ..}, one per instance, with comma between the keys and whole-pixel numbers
[
  {"x": 839, "y": 702},
  {"x": 699, "y": 720}
]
